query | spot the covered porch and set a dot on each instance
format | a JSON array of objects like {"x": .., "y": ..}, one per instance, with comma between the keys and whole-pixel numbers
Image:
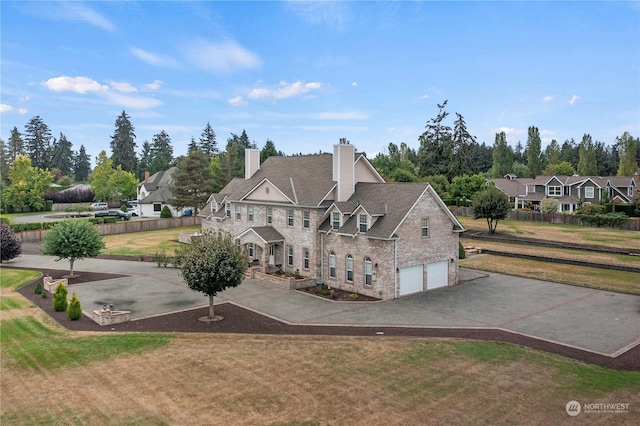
[{"x": 264, "y": 247}]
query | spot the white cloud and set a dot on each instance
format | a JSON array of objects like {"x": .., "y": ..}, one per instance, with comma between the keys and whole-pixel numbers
[
  {"x": 329, "y": 13},
  {"x": 4, "y": 108},
  {"x": 511, "y": 132},
  {"x": 425, "y": 96},
  {"x": 75, "y": 11},
  {"x": 221, "y": 58},
  {"x": 152, "y": 59},
  {"x": 573, "y": 99},
  {"x": 326, "y": 115},
  {"x": 122, "y": 87},
  {"x": 154, "y": 85},
  {"x": 548, "y": 98},
  {"x": 354, "y": 84},
  {"x": 74, "y": 84},
  {"x": 284, "y": 90},
  {"x": 237, "y": 101},
  {"x": 135, "y": 102}
]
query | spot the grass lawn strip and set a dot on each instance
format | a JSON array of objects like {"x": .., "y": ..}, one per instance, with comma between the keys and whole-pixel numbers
[{"x": 146, "y": 243}]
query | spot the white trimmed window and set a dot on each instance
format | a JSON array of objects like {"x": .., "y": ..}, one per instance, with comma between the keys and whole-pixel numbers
[
  {"x": 554, "y": 191},
  {"x": 425, "y": 227},
  {"x": 588, "y": 192},
  {"x": 269, "y": 215},
  {"x": 250, "y": 250},
  {"x": 332, "y": 265},
  {"x": 305, "y": 219},
  {"x": 290, "y": 255},
  {"x": 335, "y": 220},
  {"x": 368, "y": 272},
  {"x": 290, "y": 217},
  {"x": 363, "y": 223},
  {"x": 250, "y": 213},
  {"x": 157, "y": 207},
  {"x": 349, "y": 268},
  {"x": 227, "y": 208},
  {"x": 238, "y": 213},
  {"x": 305, "y": 258}
]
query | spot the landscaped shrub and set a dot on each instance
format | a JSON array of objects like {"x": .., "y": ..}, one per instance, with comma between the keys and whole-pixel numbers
[
  {"x": 461, "y": 253},
  {"x": 161, "y": 258},
  {"x": 110, "y": 219},
  {"x": 123, "y": 208},
  {"x": 10, "y": 244},
  {"x": 74, "y": 311},
  {"x": 38, "y": 288},
  {"x": 165, "y": 212},
  {"x": 60, "y": 301},
  {"x": 590, "y": 209},
  {"x": 549, "y": 205},
  {"x": 608, "y": 219}
]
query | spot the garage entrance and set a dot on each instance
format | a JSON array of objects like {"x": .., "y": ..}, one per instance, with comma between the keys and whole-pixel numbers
[
  {"x": 437, "y": 275},
  {"x": 411, "y": 280}
]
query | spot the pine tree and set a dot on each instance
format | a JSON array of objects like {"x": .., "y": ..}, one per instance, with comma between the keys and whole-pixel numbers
[
  {"x": 15, "y": 145},
  {"x": 162, "y": 153},
  {"x": 434, "y": 154},
  {"x": 587, "y": 165},
  {"x": 502, "y": 156},
  {"x": 60, "y": 301},
  {"x": 62, "y": 155},
  {"x": 74, "y": 311},
  {"x": 146, "y": 155},
  {"x": 208, "y": 143},
  {"x": 231, "y": 163},
  {"x": 192, "y": 182},
  {"x": 123, "y": 145},
  {"x": 461, "y": 160},
  {"x": 82, "y": 164},
  {"x": 269, "y": 150},
  {"x": 38, "y": 142},
  {"x": 535, "y": 162}
]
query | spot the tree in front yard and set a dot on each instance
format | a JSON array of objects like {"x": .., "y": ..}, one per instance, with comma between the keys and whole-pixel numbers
[
  {"x": 73, "y": 239},
  {"x": 10, "y": 245},
  {"x": 491, "y": 204},
  {"x": 212, "y": 264},
  {"x": 549, "y": 205}
]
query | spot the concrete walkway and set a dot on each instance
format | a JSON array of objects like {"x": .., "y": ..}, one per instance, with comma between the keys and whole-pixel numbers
[{"x": 597, "y": 321}]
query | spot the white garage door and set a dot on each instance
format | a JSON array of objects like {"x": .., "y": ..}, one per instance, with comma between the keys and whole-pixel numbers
[
  {"x": 410, "y": 280},
  {"x": 437, "y": 275}
]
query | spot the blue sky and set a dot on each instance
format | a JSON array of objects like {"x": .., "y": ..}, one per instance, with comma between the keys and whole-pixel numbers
[{"x": 305, "y": 74}]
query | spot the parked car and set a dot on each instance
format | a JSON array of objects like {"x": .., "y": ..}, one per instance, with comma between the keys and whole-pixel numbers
[
  {"x": 135, "y": 211},
  {"x": 100, "y": 206},
  {"x": 118, "y": 214}
]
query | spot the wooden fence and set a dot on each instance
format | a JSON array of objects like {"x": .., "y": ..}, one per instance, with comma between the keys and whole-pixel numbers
[
  {"x": 632, "y": 224},
  {"x": 126, "y": 227}
]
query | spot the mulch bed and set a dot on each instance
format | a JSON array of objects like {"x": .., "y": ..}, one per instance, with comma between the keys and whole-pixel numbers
[{"x": 240, "y": 320}]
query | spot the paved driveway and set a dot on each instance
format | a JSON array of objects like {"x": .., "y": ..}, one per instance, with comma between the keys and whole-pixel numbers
[{"x": 598, "y": 321}]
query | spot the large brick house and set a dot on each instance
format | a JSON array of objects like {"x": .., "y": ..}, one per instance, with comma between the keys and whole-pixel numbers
[{"x": 332, "y": 217}]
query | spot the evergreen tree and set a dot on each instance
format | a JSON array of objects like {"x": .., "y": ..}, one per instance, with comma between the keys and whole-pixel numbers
[
  {"x": 15, "y": 145},
  {"x": 569, "y": 152},
  {"x": 161, "y": 153},
  {"x": 535, "y": 162},
  {"x": 269, "y": 150},
  {"x": 62, "y": 155},
  {"x": 627, "y": 151},
  {"x": 553, "y": 152},
  {"x": 144, "y": 165},
  {"x": 192, "y": 145},
  {"x": 208, "y": 143},
  {"x": 587, "y": 165},
  {"x": 519, "y": 153},
  {"x": 482, "y": 156},
  {"x": 4, "y": 162},
  {"x": 38, "y": 142},
  {"x": 606, "y": 158},
  {"x": 434, "y": 154},
  {"x": 123, "y": 145},
  {"x": 192, "y": 182},
  {"x": 231, "y": 161},
  {"x": 82, "y": 164},
  {"x": 502, "y": 156},
  {"x": 461, "y": 160}
]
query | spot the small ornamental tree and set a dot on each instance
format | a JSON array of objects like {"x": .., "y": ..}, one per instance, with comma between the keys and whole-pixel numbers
[
  {"x": 73, "y": 239},
  {"x": 10, "y": 245},
  {"x": 549, "y": 205},
  {"x": 74, "y": 311},
  {"x": 491, "y": 204},
  {"x": 211, "y": 265},
  {"x": 60, "y": 301}
]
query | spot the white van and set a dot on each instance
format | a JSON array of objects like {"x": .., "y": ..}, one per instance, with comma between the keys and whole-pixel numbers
[{"x": 100, "y": 206}]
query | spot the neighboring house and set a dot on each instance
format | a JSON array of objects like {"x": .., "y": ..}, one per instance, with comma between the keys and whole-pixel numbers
[
  {"x": 332, "y": 217},
  {"x": 154, "y": 194},
  {"x": 570, "y": 191}
]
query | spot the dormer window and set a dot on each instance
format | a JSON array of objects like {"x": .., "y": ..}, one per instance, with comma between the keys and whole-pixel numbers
[
  {"x": 363, "y": 222},
  {"x": 227, "y": 209},
  {"x": 335, "y": 220}
]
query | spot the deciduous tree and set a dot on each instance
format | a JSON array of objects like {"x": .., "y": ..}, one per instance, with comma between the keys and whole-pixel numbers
[
  {"x": 587, "y": 165},
  {"x": 627, "y": 150},
  {"x": 73, "y": 239},
  {"x": 100, "y": 178},
  {"x": 491, "y": 204},
  {"x": 535, "y": 160},
  {"x": 10, "y": 245},
  {"x": 213, "y": 264},
  {"x": 28, "y": 185},
  {"x": 502, "y": 156}
]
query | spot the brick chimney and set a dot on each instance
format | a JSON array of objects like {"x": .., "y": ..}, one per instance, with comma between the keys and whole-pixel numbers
[
  {"x": 146, "y": 175},
  {"x": 344, "y": 169},
  {"x": 251, "y": 162}
]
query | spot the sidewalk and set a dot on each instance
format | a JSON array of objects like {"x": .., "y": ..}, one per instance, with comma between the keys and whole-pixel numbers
[{"x": 597, "y": 321}]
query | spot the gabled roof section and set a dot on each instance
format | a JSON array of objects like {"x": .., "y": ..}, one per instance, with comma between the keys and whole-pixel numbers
[
  {"x": 265, "y": 190},
  {"x": 159, "y": 179},
  {"x": 363, "y": 165},
  {"x": 267, "y": 234}
]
